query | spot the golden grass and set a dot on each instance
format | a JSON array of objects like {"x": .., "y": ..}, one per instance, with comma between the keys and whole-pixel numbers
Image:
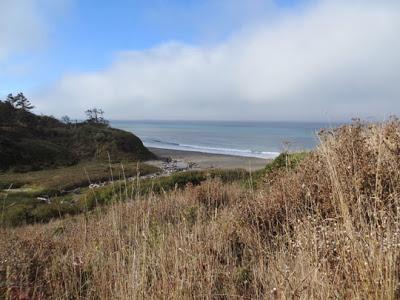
[{"x": 327, "y": 229}]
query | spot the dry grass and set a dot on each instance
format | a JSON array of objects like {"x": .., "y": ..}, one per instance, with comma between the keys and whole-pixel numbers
[{"x": 327, "y": 229}]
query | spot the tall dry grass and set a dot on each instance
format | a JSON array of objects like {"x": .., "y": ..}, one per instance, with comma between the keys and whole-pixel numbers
[{"x": 327, "y": 229}]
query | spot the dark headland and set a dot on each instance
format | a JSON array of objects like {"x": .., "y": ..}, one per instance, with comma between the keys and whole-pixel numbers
[{"x": 33, "y": 142}]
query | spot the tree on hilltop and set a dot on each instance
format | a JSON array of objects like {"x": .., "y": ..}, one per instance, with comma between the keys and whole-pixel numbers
[
  {"x": 23, "y": 103},
  {"x": 19, "y": 102},
  {"x": 11, "y": 100},
  {"x": 66, "y": 120},
  {"x": 95, "y": 115}
]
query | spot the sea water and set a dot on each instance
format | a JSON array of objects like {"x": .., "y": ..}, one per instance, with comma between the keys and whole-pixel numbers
[{"x": 251, "y": 139}]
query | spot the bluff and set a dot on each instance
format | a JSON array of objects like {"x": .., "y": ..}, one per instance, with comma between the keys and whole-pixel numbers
[{"x": 32, "y": 142}]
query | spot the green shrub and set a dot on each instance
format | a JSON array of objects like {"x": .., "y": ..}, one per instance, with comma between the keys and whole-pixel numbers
[
  {"x": 15, "y": 215},
  {"x": 285, "y": 160},
  {"x": 45, "y": 212},
  {"x": 4, "y": 185},
  {"x": 95, "y": 197}
]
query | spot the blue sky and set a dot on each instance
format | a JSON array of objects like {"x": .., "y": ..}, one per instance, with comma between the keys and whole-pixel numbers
[
  {"x": 67, "y": 50},
  {"x": 84, "y": 35}
]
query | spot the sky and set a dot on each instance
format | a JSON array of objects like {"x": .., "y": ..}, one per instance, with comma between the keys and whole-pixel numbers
[{"x": 264, "y": 60}]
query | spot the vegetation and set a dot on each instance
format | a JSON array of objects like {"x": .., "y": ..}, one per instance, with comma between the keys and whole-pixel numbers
[
  {"x": 23, "y": 195},
  {"x": 326, "y": 227},
  {"x": 21, "y": 206},
  {"x": 95, "y": 115},
  {"x": 285, "y": 161},
  {"x": 59, "y": 180},
  {"x": 162, "y": 184},
  {"x": 32, "y": 142}
]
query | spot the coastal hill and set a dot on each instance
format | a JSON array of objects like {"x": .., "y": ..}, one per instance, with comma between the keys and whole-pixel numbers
[
  {"x": 32, "y": 142},
  {"x": 321, "y": 225}
]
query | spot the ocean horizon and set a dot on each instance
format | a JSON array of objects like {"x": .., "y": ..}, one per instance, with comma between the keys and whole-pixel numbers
[{"x": 240, "y": 138}]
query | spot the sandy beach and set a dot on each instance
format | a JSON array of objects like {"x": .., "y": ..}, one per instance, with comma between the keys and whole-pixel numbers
[{"x": 208, "y": 160}]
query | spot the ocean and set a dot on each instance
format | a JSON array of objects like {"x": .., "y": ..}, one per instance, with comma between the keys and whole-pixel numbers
[{"x": 250, "y": 139}]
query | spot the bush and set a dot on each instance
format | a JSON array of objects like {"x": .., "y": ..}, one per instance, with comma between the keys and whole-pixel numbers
[
  {"x": 286, "y": 161},
  {"x": 16, "y": 215}
]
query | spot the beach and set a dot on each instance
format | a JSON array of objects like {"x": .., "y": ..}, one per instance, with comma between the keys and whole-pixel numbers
[{"x": 203, "y": 161}]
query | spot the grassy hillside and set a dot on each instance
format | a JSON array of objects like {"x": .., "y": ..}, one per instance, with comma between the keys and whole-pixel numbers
[
  {"x": 20, "y": 206},
  {"x": 32, "y": 142},
  {"x": 324, "y": 226}
]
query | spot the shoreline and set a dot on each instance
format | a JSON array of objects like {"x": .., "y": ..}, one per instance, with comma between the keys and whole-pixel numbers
[
  {"x": 214, "y": 150},
  {"x": 202, "y": 161}
]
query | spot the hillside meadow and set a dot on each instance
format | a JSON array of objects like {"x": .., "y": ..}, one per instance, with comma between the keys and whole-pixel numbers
[{"x": 319, "y": 225}]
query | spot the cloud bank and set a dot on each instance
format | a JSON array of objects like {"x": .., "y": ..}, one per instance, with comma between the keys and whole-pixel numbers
[
  {"x": 25, "y": 32},
  {"x": 21, "y": 27},
  {"x": 335, "y": 60}
]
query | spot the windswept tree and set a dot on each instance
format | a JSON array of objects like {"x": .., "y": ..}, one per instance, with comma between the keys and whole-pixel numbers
[
  {"x": 95, "y": 115},
  {"x": 66, "y": 120},
  {"x": 23, "y": 103},
  {"x": 19, "y": 102},
  {"x": 11, "y": 100}
]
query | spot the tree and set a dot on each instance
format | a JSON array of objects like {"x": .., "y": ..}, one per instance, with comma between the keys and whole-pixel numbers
[
  {"x": 95, "y": 115},
  {"x": 66, "y": 120},
  {"x": 21, "y": 102},
  {"x": 7, "y": 113},
  {"x": 11, "y": 100}
]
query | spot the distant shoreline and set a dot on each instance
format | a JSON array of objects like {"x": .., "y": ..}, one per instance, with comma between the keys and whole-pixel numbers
[
  {"x": 264, "y": 140},
  {"x": 210, "y": 160}
]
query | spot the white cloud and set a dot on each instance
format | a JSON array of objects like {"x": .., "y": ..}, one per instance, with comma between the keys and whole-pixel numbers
[
  {"x": 335, "y": 60},
  {"x": 24, "y": 30},
  {"x": 21, "y": 27}
]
